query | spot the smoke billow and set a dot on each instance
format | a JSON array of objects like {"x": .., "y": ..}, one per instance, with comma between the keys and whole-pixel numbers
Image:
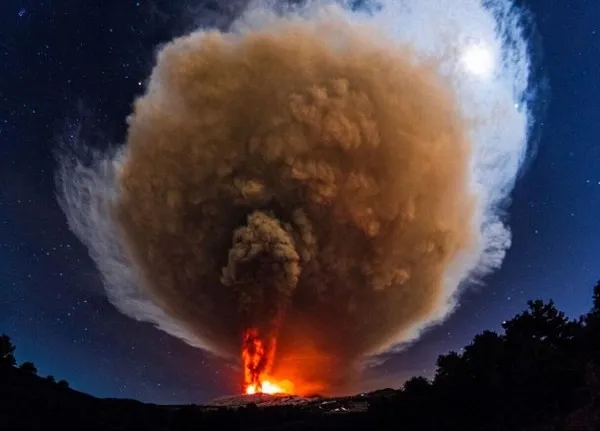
[{"x": 322, "y": 177}]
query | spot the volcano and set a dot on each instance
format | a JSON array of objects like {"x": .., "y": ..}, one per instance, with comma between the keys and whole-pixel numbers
[{"x": 257, "y": 357}]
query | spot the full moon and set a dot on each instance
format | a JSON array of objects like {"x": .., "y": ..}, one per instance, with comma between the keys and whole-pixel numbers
[{"x": 478, "y": 60}]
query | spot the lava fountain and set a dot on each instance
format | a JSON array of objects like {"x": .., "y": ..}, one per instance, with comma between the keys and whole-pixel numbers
[{"x": 257, "y": 358}]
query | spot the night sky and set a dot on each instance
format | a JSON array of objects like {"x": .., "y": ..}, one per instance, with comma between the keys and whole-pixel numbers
[{"x": 71, "y": 68}]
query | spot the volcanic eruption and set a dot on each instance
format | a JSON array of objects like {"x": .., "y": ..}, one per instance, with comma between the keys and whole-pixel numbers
[
  {"x": 300, "y": 192},
  {"x": 257, "y": 360}
]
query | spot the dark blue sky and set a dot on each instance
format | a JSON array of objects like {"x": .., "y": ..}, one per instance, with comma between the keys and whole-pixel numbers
[{"x": 70, "y": 62}]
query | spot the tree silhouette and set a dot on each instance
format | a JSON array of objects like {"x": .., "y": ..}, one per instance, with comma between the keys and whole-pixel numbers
[
  {"x": 7, "y": 348},
  {"x": 63, "y": 384},
  {"x": 449, "y": 367},
  {"x": 592, "y": 321},
  {"x": 542, "y": 360},
  {"x": 418, "y": 386},
  {"x": 596, "y": 300},
  {"x": 51, "y": 379},
  {"x": 28, "y": 367}
]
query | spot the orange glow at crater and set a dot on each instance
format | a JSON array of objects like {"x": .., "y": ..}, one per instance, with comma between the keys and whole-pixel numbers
[
  {"x": 257, "y": 358},
  {"x": 269, "y": 387}
]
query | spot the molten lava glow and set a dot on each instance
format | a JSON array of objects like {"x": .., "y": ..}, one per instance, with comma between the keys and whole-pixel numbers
[
  {"x": 266, "y": 387},
  {"x": 257, "y": 358}
]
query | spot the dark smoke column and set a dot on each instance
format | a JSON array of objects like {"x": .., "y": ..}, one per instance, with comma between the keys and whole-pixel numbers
[{"x": 263, "y": 268}]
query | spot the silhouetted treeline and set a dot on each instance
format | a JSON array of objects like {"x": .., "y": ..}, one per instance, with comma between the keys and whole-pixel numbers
[
  {"x": 8, "y": 362},
  {"x": 541, "y": 372}
]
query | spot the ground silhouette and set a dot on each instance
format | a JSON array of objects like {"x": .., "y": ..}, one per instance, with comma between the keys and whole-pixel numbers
[{"x": 541, "y": 372}]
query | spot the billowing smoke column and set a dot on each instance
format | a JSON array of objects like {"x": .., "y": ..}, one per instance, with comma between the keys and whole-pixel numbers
[{"x": 312, "y": 186}]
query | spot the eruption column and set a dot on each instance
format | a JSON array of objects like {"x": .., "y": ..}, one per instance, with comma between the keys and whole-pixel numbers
[{"x": 313, "y": 183}]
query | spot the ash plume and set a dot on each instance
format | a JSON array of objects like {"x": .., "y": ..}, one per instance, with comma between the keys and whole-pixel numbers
[{"x": 327, "y": 177}]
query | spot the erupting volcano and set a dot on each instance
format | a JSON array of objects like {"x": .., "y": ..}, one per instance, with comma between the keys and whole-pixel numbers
[
  {"x": 257, "y": 359},
  {"x": 311, "y": 186}
]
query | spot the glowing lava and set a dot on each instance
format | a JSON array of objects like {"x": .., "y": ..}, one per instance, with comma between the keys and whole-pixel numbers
[
  {"x": 257, "y": 357},
  {"x": 266, "y": 387}
]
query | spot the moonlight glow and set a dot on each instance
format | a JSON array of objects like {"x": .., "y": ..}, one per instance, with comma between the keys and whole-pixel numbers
[{"x": 478, "y": 60}]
